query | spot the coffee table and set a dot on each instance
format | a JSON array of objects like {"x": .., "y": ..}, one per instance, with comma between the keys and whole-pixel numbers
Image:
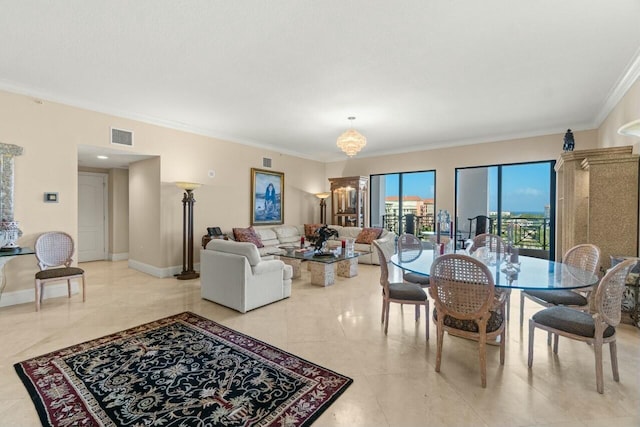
[{"x": 323, "y": 269}]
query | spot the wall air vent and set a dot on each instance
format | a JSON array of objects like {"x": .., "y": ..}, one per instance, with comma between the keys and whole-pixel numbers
[
  {"x": 266, "y": 162},
  {"x": 122, "y": 137}
]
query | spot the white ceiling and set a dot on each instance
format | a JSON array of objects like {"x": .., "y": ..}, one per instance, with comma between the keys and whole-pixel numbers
[{"x": 286, "y": 74}]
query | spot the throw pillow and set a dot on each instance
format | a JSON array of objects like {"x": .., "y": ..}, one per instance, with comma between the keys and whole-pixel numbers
[
  {"x": 368, "y": 235},
  {"x": 310, "y": 231},
  {"x": 247, "y": 235}
]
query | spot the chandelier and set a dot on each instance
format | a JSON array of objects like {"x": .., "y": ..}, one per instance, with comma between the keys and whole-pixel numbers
[{"x": 351, "y": 141}]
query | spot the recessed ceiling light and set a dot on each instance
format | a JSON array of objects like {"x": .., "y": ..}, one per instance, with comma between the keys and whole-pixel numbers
[{"x": 102, "y": 157}]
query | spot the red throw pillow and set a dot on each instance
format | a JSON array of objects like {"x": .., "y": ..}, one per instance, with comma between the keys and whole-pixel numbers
[
  {"x": 368, "y": 235},
  {"x": 247, "y": 235}
]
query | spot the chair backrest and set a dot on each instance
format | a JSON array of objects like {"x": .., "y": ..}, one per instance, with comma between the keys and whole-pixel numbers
[
  {"x": 409, "y": 247},
  {"x": 585, "y": 257},
  {"x": 384, "y": 266},
  {"x": 482, "y": 225},
  {"x": 491, "y": 241},
  {"x": 608, "y": 299},
  {"x": 409, "y": 223},
  {"x": 245, "y": 249},
  {"x": 461, "y": 286},
  {"x": 54, "y": 249}
]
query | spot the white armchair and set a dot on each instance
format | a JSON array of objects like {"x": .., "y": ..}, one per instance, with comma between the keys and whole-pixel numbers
[{"x": 233, "y": 274}]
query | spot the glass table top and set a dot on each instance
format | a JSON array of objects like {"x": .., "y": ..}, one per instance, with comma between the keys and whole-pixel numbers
[{"x": 529, "y": 273}]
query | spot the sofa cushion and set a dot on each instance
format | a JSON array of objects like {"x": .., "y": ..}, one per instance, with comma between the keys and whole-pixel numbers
[
  {"x": 247, "y": 235},
  {"x": 267, "y": 236},
  {"x": 288, "y": 234},
  {"x": 245, "y": 249},
  {"x": 368, "y": 235}
]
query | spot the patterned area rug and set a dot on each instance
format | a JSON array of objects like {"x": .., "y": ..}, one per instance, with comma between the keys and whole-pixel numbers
[{"x": 183, "y": 370}]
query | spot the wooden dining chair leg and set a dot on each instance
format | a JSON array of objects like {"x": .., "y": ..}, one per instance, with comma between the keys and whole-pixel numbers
[
  {"x": 84, "y": 291},
  {"x": 482, "y": 348},
  {"x": 549, "y": 338},
  {"x": 614, "y": 360},
  {"x": 503, "y": 339},
  {"x": 521, "y": 308},
  {"x": 384, "y": 306},
  {"x": 69, "y": 288},
  {"x": 38, "y": 291},
  {"x": 556, "y": 338},
  {"x": 386, "y": 317},
  {"x": 426, "y": 317},
  {"x": 417, "y": 310},
  {"x": 440, "y": 339},
  {"x": 532, "y": 327},
  {"x": 597, "y": 347}
]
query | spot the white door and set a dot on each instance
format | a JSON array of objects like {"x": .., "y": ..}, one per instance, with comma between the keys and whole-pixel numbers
[{"x": 92, "y": 226}]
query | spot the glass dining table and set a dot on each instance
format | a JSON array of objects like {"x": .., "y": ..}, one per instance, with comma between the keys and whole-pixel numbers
[{"x": 528, "y": 273}]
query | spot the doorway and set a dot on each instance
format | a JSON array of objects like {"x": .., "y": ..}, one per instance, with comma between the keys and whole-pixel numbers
[{"x": 92, "y": 216}]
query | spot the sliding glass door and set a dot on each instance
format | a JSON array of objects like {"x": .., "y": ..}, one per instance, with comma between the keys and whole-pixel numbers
[
  {"x": 514, "y": 196},
  {"x": 403, "y": 202}
]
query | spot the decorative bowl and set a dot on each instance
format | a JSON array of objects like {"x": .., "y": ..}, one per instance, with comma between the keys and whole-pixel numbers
[{"x": 288, "y": 249}]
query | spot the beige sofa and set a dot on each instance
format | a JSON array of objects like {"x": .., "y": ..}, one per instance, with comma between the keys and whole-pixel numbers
[{"x": 278, "y": 235}]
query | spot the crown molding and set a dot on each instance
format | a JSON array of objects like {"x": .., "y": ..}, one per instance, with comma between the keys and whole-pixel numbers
[{"x": 624, "y": 83}]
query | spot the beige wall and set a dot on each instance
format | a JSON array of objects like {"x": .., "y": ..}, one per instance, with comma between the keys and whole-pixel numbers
[
  {"x": 444, "y": 161},
  {"x": 118, "y": 213},
  {"x": 627, "y": 110},
  {"x": 50, "y": 134}
]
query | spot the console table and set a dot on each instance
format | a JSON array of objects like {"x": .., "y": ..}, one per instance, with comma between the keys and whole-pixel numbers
[{"x": 7, "y": 255}]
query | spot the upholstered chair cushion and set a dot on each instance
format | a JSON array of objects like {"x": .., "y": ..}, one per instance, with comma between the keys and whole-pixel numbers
[
  {"x": 495, "y": 320},
  {"x": 560, "y": 297},
  {"x": 368, "y": 235},
  {"x": 570, "y": 320},
  {"x": 59, "y": 272},
  {"x": 247, "y": 235},
  {"x": 419, "y": 279},
  {"x": 405, "y": 291}
]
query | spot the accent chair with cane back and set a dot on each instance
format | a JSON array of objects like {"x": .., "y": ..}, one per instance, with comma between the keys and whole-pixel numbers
[
  {"x": 595, "y": 329},
  {"x": 401, "y": 293},
  {"x": 586, "y": 257},
  {"x": 496, "y": 245},
  {"x": 463, "y": 291},
  {"x": 410, "y": 247},
  {"x": 54, "y": 252}
]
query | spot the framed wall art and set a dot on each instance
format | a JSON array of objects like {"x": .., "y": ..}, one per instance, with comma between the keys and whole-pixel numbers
[{"x": 267, "y": 197}]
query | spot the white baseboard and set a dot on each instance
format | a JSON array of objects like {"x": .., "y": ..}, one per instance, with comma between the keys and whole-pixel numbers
[
  {"x": 157, "y": 271},
  {"x": 119, "y": 256},
  {"x": 24, "y": 296}
]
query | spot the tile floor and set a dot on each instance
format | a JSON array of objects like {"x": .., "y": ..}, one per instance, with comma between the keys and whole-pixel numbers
[{"x": 339, "y": 327}]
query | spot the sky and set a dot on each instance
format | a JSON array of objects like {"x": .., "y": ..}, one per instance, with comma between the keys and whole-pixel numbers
[{"x": 525, "y": 188}]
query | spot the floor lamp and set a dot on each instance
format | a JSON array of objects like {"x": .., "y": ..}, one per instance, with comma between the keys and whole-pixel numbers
[
  {"x": 187, "y": 231},
  {"x": 323, "y": 206}
]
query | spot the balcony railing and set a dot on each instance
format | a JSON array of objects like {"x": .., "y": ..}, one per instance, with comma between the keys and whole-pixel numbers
[{"x": 528, "y": 232}]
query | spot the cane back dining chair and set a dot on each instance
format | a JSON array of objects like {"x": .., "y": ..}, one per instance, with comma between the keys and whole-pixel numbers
[
  {"x": 462, "y": 288},
  {"x": 596, "y": 329},
  {"x": 54, "y": 251},
  {"x": 409, "y": 249},
  {"x": 496, "y": 246},
  {"x": 584, "y": 256},
  {"x": 399, "y": 292}
]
